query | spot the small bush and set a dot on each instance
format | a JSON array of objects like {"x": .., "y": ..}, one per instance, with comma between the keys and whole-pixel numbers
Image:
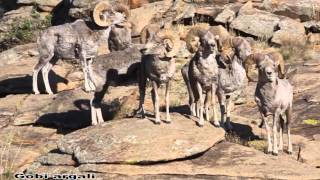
[{"x": 24, "y": 31}]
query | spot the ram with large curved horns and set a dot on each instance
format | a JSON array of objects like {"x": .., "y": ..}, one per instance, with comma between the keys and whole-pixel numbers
[
  {"x": 158, "y": 65},
  {"x": 274, "y": 97},
  {"x": 201, "y": 74},
  {"x": 82, "y": 40}
]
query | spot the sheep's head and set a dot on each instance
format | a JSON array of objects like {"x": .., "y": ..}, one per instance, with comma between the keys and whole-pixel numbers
[
  {"x": 208, "y": 44},
  {"x": 241, "y": 47},
  {"x": 105, "y": 14},
  {"x": 193, "y": 37},
  {"x": 165, "y": 44},
  {"x": 270, "y": 66},
  {"x": 120, "y": 36}
]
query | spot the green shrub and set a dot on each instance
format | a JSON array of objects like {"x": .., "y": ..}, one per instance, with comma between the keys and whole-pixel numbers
[{"x": 24, "y": 31}]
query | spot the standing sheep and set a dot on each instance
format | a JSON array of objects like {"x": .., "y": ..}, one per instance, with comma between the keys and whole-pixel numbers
[
  {"x": 79, "y": 40},
  {"x": 202, "y": 72},
  {"x": 158, "y": 65},
  {"x": 274, "y": 96},
  {"x": 232, "y": 74}
]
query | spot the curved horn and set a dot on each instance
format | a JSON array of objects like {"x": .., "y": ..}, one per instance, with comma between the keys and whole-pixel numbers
[
  {"x": 192, "y": 38},
  {"x": 173, "y": 38},
  {"x": 278, "y": 58},
  {"x": 121, "y": 8},
  {"x": 252, "y": 59},
  {"x": 236, "y": 42},
  {"x": 98, "y": 17}
]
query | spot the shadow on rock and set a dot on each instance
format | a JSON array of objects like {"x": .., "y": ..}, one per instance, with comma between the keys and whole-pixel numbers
[
  {"x": 183, "y": 109},
  {"x": 241, "y": 134},
  {"x": 23, "y": 84},
  {"x": 71, "y": 120},
  {"x": 60, "y": 13}
]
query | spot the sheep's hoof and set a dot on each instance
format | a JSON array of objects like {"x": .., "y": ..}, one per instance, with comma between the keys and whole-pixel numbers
[
  {"x": 157, "y": 122},
  {"x": 268, "y": 152},
  {"x": 200, "y": 124},
  {"x": 167, "y": 122},
  {"x": 36, "y": 93},
  {"x": 215, "y": 124},
  {"x": 289, "y": 152},
  {"x": 275, "y": 153}
]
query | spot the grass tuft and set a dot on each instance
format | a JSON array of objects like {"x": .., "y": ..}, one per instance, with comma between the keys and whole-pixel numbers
[{"x": 312, "y": 122}]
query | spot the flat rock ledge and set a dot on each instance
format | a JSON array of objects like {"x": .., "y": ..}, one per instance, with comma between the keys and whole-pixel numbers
[
  {"x": 223, "y": 161},
  {"x": 140, "y": 141}
]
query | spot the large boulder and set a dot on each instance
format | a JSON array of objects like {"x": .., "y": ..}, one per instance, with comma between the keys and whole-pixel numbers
[
  {"x": 312, "y": 26},
  {"x": 140, "y": 17},
  {"x": 255, "y": 22},
  {"x": 135, "y": 141},
  {"x": 290, "y": 33},
  {"x": 304, "y": 9},
  {"x": 45, "y": 5},
  {"x": 225, "y": 160}
]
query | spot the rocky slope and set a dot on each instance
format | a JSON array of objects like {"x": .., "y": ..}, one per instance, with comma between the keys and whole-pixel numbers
[{"x": 52, "y": 133}]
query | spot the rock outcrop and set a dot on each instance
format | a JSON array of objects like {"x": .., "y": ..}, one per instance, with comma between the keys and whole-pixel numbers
[
  {"x": 305, "y": 10},
  {"x": 136, "y": 141}
]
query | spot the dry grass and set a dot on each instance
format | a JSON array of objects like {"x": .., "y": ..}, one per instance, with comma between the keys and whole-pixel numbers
[{"x": 7, "y": 163}]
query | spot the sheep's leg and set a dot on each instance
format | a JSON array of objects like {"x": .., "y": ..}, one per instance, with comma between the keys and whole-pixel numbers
[
  {"x": 281, "y": 125},
  {"x": 184, "y": 72},
  {"x": 200, "y": 104},
  {"x": 142, "y": 92},
  {"x": 85, "y": 69},
  {"x": 168, "y": 119},
  {"x": 197, "y": 106},
  {"x": 288, "y": 114},
  {"x": 206, "y": 105},
  {"x": 156, "y": 101},
  {"x": 45, "y": 74},
  {"x": 264, "y": 119},
  {"x": 229, "y": 105},
  {"x": 213, "y": 104},
  {"x": 36, "y": 71},
  {"x": 94, "y": 120},
  {"x": 90, "y": 74},
  {"x": 222, "y": 101},
  {"x": 95, "y": 103},
  {"x": 275, "y": 132}
]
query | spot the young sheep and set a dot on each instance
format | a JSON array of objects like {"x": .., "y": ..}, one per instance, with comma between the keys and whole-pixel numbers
[
  {"x": 273, "y": 96},
  {"x": 105, "y": 71},
  {"x": 158, "y": 65},
  {"x": 80, "y": 40},
  {"x": 232, "y": 75},
  {"x": 202, "y": 72}
]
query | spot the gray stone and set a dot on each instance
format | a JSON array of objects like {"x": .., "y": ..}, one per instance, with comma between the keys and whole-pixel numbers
[
  {"x": 256, "y": 23},
  {"x": 132, "y": 141},
  {"x": 225, "y": 159},
  {"x": 291, "y": 33},
  {"x": 51, "y": 3},
  {"x": 226, "y": 16},
  {"x": 306, "y": 10},
  {"x": 55, "y": 159}
]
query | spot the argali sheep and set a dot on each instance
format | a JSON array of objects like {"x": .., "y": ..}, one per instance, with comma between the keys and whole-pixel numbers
[
  {"x": 202, "y": 73},
  {"x": 274, "y": 97},
  {"x": 232, "y": 75},
  {"x": 158, "y": 65},
  {"x": 80, "y": 40},
  {"x": 106, "y": 70}
]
